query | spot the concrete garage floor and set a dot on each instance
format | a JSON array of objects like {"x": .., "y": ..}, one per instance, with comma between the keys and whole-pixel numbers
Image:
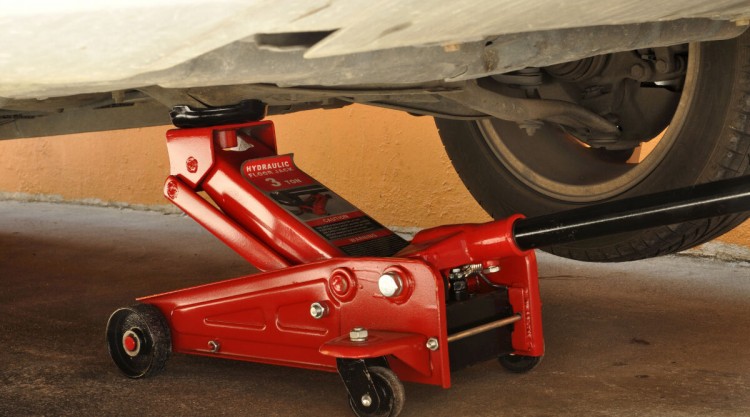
[{"x": 665, "y": 337}]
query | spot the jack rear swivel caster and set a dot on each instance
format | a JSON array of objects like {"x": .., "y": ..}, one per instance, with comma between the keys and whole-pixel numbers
[
  {"x": 139, "y": 340},
  {"x": 374, "y": 391}
]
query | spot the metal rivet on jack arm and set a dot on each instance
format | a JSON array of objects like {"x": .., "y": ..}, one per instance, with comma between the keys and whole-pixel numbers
[
  {"x": 390, "y": 284},
  {"x": 366, "y": 400},
  {"x": 432, "y": 344},
  {"x": 318, "y": 310},
  {"x": 213, "y": 346},
  {"x": 191, "y": 164},
  {"x": 358, "y": 334}
]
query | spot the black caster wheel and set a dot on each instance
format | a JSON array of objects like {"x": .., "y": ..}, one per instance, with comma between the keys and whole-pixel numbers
[
  {"x": 390, "y": 390},
  {"x": 518, "y": 363},
  {"x": 139, "y": 340}
]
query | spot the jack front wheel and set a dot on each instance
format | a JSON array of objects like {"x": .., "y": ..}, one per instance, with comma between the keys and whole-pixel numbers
[{"x": 139, "y": 340}]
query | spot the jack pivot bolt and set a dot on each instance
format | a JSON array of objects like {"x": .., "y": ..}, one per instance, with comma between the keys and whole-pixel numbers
[
  {"x": 213, "y": 346},
  {"x": 390, "y": 284},
  {"x": 358, "y": 334},
  {"x": 318, "y": 309},
  {"x": 432, "y": 344}
]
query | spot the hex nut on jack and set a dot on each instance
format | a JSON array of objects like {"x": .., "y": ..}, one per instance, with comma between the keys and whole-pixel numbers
[
  {"x": 432, "y": 344},
  {"x": 358, "y": 334}
]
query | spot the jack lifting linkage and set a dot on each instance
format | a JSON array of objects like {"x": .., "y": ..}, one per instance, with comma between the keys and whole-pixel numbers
[{"x": 338, "y": 291}]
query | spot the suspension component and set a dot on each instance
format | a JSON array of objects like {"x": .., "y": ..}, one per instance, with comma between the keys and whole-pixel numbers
[{"x": 525, "y": 110}]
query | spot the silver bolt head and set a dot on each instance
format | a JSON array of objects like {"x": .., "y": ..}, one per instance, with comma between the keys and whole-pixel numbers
[
  {"x": 390, "y": 284},
  {"x": 366, "y": 400},
  {"x": 213, "y": 346},
  {"x": 358, "y": 334},
  {"x": 432, "y": 344},
  {"x": 318, "y": 310}
]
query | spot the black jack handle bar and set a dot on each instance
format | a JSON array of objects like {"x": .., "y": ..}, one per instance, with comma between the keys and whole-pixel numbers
[{"x": 669, "y": 207}]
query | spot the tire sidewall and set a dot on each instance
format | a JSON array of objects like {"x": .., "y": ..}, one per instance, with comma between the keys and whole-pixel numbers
[{"x": 699, "y": 154}]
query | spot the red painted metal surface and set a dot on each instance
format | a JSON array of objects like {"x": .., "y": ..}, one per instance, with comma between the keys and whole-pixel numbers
[
  {"x": 218, "y": 173},
  {"x": 409, "y": 348},
  {"x": 221, "y": 226},
  {"x": 519, "y": 274},
  {"x": 266, "y": 317},
  {"x": 272, "y": 224},
  {"x": 490, "y": 244},
  {"x": 446, "y": 247}
]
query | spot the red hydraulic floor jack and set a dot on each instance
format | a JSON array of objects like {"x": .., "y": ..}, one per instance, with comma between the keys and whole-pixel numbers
[{"x": 338, "y": 291}]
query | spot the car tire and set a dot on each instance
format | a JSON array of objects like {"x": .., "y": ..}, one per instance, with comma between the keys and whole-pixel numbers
[{"x": 507, "y": 171}]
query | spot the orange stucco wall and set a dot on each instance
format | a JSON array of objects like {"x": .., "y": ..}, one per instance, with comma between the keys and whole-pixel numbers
[{"x": 388, "y": 163}]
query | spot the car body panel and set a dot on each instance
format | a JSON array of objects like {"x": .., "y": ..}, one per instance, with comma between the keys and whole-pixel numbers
[{"x": 58, "y": 48}]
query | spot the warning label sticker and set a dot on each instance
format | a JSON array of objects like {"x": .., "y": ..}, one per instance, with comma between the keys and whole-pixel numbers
[{"x": 320, "y": 209}]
